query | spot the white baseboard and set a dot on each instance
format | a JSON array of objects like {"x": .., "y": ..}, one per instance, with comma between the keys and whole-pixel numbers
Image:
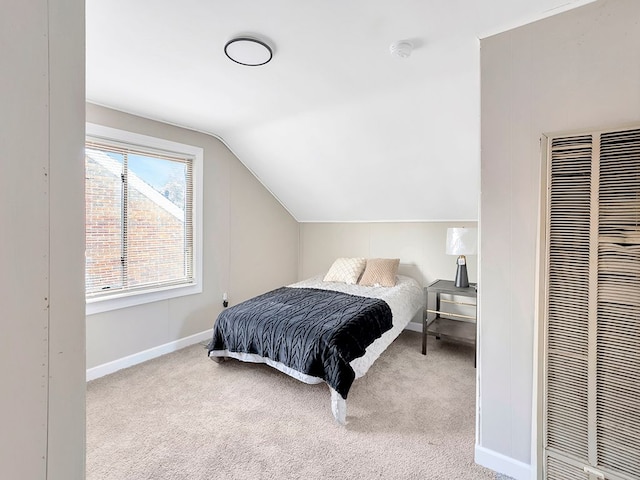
[
  {"x": 414, "y": 327},
  {"x": 129, "y": 361},
  {"x": 502, "y": 464},
  {"x": 136, "y": 358}
]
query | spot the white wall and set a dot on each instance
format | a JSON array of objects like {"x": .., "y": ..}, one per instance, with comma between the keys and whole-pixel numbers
[
  {"x": 573, "y": 71},
  {"x": 42, "y": 357},
  {"x": 250, "y": 246},
  {"x": 419, "y": 245}
]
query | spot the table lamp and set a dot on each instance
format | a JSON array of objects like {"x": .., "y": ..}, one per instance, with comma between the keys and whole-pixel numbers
[{"x": 461, "y": 242}]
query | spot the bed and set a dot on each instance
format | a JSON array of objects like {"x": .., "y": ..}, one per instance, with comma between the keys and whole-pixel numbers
[{"x": 318, "y": 331}]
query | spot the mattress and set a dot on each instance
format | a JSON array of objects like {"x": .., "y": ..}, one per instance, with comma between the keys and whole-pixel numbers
[{"x": 405, "y": 300}]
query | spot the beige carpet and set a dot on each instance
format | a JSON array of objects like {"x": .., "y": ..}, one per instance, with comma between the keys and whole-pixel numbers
[{"x": 182, "y": 416}]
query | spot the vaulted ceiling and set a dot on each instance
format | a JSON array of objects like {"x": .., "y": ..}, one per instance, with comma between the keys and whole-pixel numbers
[{"x": 334, "y": 126}]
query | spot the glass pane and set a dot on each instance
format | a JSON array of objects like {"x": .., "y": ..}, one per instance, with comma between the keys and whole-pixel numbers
[
  {"x": 156, "y": 221},
  {"x": 103, "y": 197}
]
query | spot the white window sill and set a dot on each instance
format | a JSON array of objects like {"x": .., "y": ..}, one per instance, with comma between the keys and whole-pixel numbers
[{"x": 131, "y": 299}]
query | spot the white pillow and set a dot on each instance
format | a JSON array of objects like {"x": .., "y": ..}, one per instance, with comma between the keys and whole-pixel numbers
[{"x": 346, "y": 270}]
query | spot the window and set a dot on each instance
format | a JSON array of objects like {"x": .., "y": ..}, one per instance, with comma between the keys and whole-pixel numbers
[{"x": 141, "y": 231}]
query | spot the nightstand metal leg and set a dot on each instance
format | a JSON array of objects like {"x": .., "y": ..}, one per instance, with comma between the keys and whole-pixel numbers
[
  {"x": 424, "y": 333},
  {"x": 437, "y": 309}
]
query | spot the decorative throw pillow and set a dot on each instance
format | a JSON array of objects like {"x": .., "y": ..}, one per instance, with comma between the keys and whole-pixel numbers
[
  {"x": 346, "y": 270},
  {"x": 380, "y": 272}
]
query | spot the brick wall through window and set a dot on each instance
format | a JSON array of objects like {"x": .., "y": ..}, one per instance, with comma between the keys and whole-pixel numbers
[{"x": 146, "y": 243}]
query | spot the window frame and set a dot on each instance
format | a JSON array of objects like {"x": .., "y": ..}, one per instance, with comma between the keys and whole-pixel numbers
[{"x": 124, "y": 299}]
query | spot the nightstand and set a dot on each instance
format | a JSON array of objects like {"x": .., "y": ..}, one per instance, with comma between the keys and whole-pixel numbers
[{"x": 455, "y": 326}]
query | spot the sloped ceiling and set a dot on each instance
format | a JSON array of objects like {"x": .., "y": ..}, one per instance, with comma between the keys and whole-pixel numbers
[{"x": 334, "y": 126}]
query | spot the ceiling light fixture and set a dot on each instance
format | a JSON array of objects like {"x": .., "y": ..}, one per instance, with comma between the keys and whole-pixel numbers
[
  {"x": 401, "y": 49},
  {"x": 248, "y": 51}
]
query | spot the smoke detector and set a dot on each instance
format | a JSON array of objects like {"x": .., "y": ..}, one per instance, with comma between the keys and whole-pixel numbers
[{"x": 401, "y": 49}]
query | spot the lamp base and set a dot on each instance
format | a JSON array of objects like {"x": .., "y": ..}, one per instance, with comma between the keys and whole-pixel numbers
[{"x": 462, "y": 279}]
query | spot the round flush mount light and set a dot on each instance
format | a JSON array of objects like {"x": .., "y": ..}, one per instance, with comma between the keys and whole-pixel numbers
[{"x": 248, "y": 51}]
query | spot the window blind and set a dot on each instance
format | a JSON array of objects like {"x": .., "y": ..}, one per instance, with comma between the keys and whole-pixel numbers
[{"x": 139, "y": 218}]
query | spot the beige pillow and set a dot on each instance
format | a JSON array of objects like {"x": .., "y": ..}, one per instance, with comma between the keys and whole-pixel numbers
[
  {"x": 346, "y": 270},
  {"x": 380, "y": 272}
]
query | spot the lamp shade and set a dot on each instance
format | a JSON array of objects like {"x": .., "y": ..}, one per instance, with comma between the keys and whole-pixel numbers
[{"x": 462, "y": 241}]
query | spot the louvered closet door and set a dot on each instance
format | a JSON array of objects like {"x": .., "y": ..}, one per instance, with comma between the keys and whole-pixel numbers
[
  {"x": 592, "y": 308},
  {"x": 618, "y": 322},
  {"x": 567, "y": 326}
]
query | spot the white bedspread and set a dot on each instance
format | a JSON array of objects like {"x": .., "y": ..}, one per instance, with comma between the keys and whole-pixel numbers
[{"x": 405, "y": 299}]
